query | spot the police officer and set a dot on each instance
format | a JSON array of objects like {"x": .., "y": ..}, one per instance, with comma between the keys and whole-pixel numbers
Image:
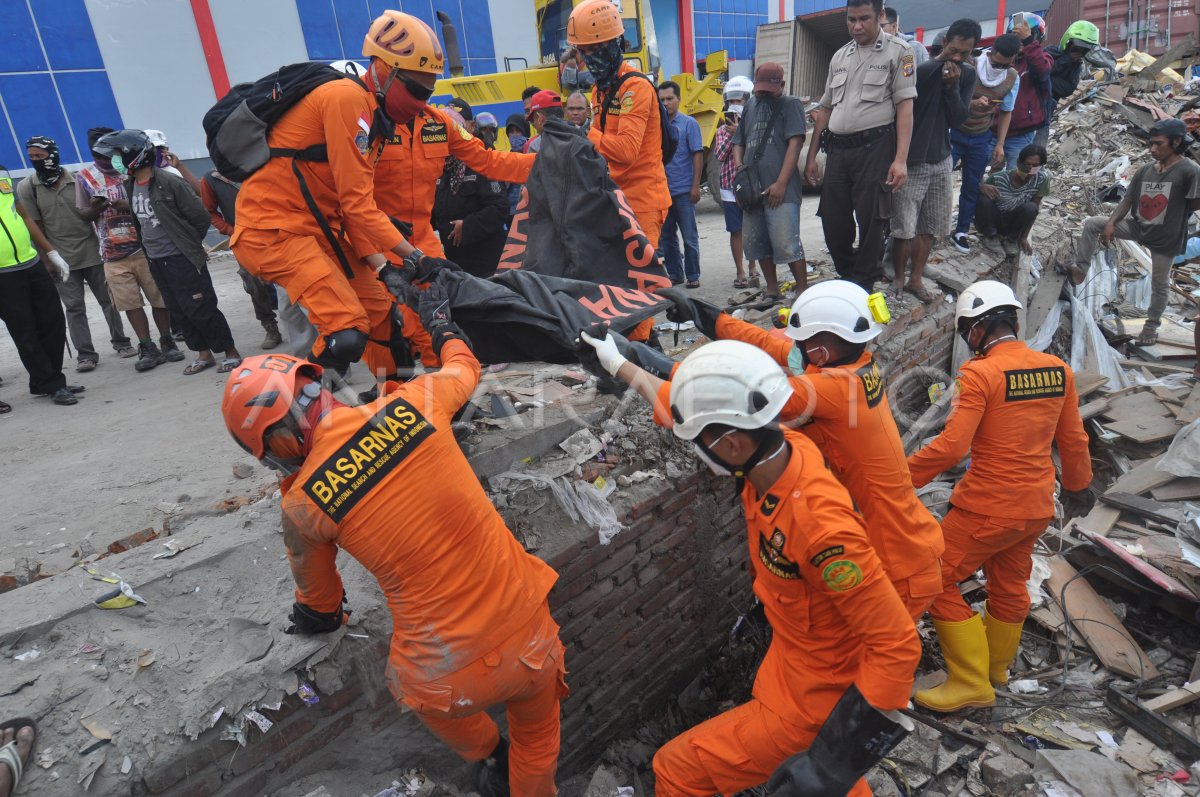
[
  {"x": 1012, "y": 405},
  {"x": 867, "y": 108}
]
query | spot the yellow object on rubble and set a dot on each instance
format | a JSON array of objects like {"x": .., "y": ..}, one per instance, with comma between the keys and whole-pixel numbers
[{"x": 1135, "y": 61}]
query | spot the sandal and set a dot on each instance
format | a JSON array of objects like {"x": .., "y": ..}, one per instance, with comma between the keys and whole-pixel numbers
[
  {"x": 9, "y": 756},
  {"x": 228, "y": 364},
  {"x": 921, "y": 293},
  {"x": 197, "y": 366},
  {"x": 1148, "y": 337},
  {"x": 739, "y": 283},
  {"x": 5, "y": 408}
]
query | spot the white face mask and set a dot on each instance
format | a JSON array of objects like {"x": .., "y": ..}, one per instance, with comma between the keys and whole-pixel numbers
[
  {"x": 1033, "y": 170},
  {"x": 719, "y": 470}
]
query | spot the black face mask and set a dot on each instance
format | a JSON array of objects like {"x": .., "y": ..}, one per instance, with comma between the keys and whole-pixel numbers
[
  {"x": 48, "y": 169},
  {"x": 605, "y": 62}
]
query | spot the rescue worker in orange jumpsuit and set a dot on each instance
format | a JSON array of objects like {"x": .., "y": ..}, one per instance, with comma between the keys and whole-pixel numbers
[
  {"x": 840, "y": 397},
  {"x": 387, "y": 483},
  {"x": 407, "y": 174},
  {"x": 278, "y": 238},
  {"x": 1012, "y": 405},
  {"x": 843, "y": 649},
  {"x": 631, "y": 138}
]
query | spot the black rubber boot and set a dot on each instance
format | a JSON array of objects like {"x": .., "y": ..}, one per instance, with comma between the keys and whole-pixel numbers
[
  {"x": 169, "y": 350},
  {"x": 490, "y": 776},
  {"x": 855, "y": 737}
]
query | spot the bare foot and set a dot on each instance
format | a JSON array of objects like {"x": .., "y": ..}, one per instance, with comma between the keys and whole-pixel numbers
[{"x": 24, "y": 737}]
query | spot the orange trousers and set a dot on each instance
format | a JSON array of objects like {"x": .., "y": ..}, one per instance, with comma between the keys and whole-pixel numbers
[
  {"x": 732, "y": 752},
  {"x": 527, "y": 674},
  {"x": 1003, "y": 547},
  {"x": 651, "y": 222},
  {"x": 919, "y": 590},
  {"x": 309, "y": 271}
]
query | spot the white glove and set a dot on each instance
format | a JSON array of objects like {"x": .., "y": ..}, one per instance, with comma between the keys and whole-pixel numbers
[
  {"x": 60, "y": 265},
  {"x": 610, "y": 359}
]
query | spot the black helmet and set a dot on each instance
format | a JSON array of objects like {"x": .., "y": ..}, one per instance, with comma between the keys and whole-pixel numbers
[{"x": 129, "y": 150}]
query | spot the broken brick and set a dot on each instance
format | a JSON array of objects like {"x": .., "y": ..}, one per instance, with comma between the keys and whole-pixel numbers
[{"x": 133, "y": 540}]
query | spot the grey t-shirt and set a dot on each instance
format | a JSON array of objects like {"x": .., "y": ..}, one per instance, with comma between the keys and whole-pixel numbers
[
  {"x": 752, "y": 134},
  {"x": 154, "y": 235},
  {"x": 1160, "y": 204}
]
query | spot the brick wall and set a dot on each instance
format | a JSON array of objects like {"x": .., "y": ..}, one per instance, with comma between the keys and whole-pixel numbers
[{"x": 639, "y": 617}]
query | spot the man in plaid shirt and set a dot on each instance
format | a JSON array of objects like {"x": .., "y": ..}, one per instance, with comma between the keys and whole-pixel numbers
[{"x": 723, "y": 146}]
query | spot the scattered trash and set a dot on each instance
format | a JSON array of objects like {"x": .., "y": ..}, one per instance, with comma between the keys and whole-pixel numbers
[
  {"x": 308, "y": 694},
  {"x": 29, "y": 655},
  {"x": 121, "y": 598},
  {"x": 175, "y": 546}
]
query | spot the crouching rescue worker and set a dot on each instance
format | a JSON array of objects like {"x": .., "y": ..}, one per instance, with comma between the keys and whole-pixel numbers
[
  {"x": 843, "y": 649},
  {"x": 840, "y": 398},
  {"x": 1012, "y": 404},
  {"x": 279, "y": 237},
  {"x": 387, "y": 483}
]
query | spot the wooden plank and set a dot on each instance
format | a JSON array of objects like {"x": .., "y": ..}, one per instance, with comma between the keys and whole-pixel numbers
[
  {"x": 1093, "y": 408},
  {"x": 1166, "y": 59},
  {"x": 1178, "y": 490},
  {"x": 1191, "y": 406},
  {"x": 1146, "y": 507},
  {"x": 1088, "y": 382},
  {"x": 1095, "y": 622},
  {"x": 1158, "y": 368},
  {"x": 1147, "y": 429},
  {"x": 1100, "y": 520},
  {"x": 1134, "y": 406},
  {"x": 1177, "y": 697},
  {"x": 1048, "y": 291},
  {"x": 1171, "y": 331},
  {"x": 1143, "y": 478}
]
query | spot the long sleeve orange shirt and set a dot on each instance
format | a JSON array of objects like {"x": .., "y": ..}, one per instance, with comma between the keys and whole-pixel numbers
[
  {"x": 1011, "y": 406},
  {"x": 632, "y": 142},
  {"x": 337, "y": 114},
  {"x": 388, "y": 483}
]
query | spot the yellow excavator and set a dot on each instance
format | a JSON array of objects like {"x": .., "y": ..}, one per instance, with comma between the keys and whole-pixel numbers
[{"x": 500, "y": 93}]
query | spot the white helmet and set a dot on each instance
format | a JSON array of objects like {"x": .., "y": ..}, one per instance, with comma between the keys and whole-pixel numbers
[
  {"x": 983, "y": 297},
  {"x": 157, "y": 137},
  {"x": 727, "y": 382},
  {"x": 738, "y": 88},
  {"x": 835, "y": 306},
  {"x": 353, "y": 68}
]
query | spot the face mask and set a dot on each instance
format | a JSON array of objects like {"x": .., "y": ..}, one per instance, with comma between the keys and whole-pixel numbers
[
  {"x": 604, "y": 62},
  {"x": 49, "y": 168},
  {"x": 488, "y": 136},
  {"x": 797, "y": 361},
  {"x": 106, "y": 168},
  {"x": 160, "y": 158},
  {"x": 118, "y": 164},
  {"x": 712, "y": 462},
  {"x": 400, "y": 106},
  {"x": 1034, "y": 170}
]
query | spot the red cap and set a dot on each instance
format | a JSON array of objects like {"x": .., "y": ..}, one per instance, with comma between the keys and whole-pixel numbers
[
  {"x": 768, "y": 77},
  {"x": 543, "y": 99}
]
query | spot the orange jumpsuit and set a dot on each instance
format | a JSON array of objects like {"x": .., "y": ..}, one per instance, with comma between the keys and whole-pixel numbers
[
  {"x": 407, "y": 174},
  {"x": 846, "y": 413},
  {"x": 632, "y": 144},
  {"x": 836, "y": 621},
  {"x": 278, "y": 240},
  {"x": 387, "y": 483},
  {"x": 1011, "y": 405}
]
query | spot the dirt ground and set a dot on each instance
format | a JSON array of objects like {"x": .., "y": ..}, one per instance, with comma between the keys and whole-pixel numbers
[{"x": 143, "y": 448}]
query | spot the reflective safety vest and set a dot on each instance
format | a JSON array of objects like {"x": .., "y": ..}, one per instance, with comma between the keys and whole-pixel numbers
[{"x": 16, "y": 248}]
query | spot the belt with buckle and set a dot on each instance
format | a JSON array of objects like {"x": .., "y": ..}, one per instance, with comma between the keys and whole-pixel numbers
[{"x": 852, "y": 140}]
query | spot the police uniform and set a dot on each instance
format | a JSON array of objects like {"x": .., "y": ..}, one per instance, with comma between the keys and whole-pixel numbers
[
  {"x": 29, "y": 303},
  {"x": 863, "y": 89}
]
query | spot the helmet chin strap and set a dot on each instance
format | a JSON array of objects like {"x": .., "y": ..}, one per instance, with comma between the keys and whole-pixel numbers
[{"x": 759, "y": 457}]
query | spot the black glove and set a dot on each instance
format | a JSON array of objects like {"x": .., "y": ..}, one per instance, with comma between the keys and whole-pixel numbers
[
  {"x": 404, "y": 227},
  {"x": 686, "y": 309},
  {"x": 752, "y": 623},
  {"x": 433, "y": 306},
  {"x": 426, "y": 269},
  {"x": 649, "y": 358},
  {"x": 398, "y": 281},
  {"x": 854, "y": 738},
  {"x": 1077, "y": 503},
  {"x": 307, "y": 620}
]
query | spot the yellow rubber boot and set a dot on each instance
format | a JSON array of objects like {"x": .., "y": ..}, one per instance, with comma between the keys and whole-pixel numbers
[
  {"x": 965, "y": 648},
  {"x": 1003, "y": 639}
]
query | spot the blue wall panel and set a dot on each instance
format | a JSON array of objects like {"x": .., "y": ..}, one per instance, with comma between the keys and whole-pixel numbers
[
  {"x": 19, "y": 49},
  {"x": 34, "y": 109},
  {"x": 353, "y": 19},
  {"x": 67, "y": 34},
  {"x": 88, "y": 98},
  {"x": 320, "y": 28}
]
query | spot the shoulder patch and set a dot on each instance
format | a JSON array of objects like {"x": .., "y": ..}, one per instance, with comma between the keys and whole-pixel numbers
[
  {"x": 842, "y": 575},
  {"x": 1035, "y": 383},
  {"x": 835, "y": 550},
  {"x": 906, "y": 65},
  {"x": 770, "y": 553},
  {"x": 769, "y": 504},
  {"x": 350, "y": 473},
  {"x": 464, "y": 133},
  {"x": 872, "y": 382},
  {"x": 6, "y": 186}
]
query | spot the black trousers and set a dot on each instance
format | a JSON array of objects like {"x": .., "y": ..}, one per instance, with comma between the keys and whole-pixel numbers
[
  {"x": 189, "y": 295},
  {"x": 30, "y": 309},
  {"x": 1013, "y": 224},
  {"x": 261, "y": 293},
  {"x": 854, "y": 203}
]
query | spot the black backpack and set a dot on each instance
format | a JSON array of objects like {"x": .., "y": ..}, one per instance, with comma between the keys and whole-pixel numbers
[
  {"x": 236, "y": 130},
  {"x": 670, "y": 139}
]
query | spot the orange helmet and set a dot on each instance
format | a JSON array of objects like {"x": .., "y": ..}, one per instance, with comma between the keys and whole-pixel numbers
[
  {"x": 404, "y": 42},
  {"x": 593, "y": 22},
  {"x": 265, "y": 396}
]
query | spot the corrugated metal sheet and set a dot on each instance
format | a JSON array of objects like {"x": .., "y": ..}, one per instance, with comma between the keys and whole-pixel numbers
[
  {"x": 1152, "y": 26},
  {"x": 818, "y": 38}
]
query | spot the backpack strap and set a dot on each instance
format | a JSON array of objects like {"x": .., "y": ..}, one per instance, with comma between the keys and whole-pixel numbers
[{"x": 613, "y": 91}]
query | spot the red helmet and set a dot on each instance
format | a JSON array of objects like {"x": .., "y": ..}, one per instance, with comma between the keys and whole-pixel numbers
[{"x": 265, "y": 398}]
